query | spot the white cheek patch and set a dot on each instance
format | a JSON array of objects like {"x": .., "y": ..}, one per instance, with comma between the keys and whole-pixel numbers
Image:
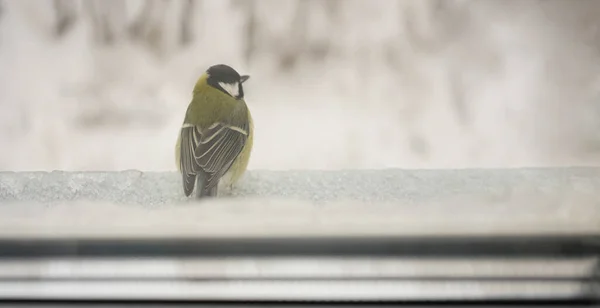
[{"x": 232, "y": 88}]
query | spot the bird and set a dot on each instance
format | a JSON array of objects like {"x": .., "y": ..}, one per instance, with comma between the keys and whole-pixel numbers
[{"x": 215, "y": 140}]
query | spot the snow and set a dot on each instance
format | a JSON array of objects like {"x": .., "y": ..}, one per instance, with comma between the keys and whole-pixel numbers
[
  {"x": 309, "y": 202},
  {"x": 408, "y": 85},
  {"x": 390, "y": 185}
]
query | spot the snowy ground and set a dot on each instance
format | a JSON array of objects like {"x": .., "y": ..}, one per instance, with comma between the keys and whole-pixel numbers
[
  {"x": 513, "y": 85},
  {"x": 385, "y": 201}
]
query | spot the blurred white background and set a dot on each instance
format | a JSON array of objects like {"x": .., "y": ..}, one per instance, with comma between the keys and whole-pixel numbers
[{"x": 104, "y": 84}]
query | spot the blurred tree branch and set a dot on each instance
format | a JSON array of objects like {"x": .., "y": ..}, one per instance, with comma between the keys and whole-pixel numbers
[
  {"x": 432, "y": 24},
  {"x": 320, "y": 50},
  {"x": 108, "y": 19},
  {"x": 295, "y": 46},
  {"x": 251, "y": 29},
  {"x": 65, "y": 16},
  {"x": 295, "y": 43},
  {"x": 148, "y": 26},
  {"x": 188, "y": 16},
  {"x": 139, "y": 27}
]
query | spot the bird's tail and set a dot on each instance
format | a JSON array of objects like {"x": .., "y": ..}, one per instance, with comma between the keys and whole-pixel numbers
[{"x": 202, "y": 191}]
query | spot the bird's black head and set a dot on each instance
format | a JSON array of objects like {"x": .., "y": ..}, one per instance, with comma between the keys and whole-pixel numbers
[{"x": 226, "y": 79}]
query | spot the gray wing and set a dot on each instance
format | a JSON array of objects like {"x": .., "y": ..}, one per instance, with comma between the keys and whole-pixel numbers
[
  {"x": 209, "y": 153},
  {"x": 189, "y": 169}
]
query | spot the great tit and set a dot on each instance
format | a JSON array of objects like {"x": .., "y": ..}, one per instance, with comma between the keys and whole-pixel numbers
[{"x": 215, "y": 140}]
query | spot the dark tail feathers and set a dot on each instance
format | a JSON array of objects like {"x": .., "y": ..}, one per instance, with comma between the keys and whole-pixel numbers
[{"x": 202, "y": 191}]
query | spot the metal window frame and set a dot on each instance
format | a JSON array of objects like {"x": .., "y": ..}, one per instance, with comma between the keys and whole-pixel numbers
[{"x": 373, "y": 248}]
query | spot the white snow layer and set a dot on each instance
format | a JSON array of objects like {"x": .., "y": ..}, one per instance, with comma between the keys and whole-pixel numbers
[
  {"x": 306, "y": 202},
  {"x": 393, "y": 185}
]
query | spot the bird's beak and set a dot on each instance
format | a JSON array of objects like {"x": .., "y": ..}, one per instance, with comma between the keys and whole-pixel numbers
[{"x": 243, "y": 78}]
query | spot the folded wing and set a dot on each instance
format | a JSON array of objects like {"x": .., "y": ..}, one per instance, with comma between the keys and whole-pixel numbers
[{"x": 209, "y": 153}]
